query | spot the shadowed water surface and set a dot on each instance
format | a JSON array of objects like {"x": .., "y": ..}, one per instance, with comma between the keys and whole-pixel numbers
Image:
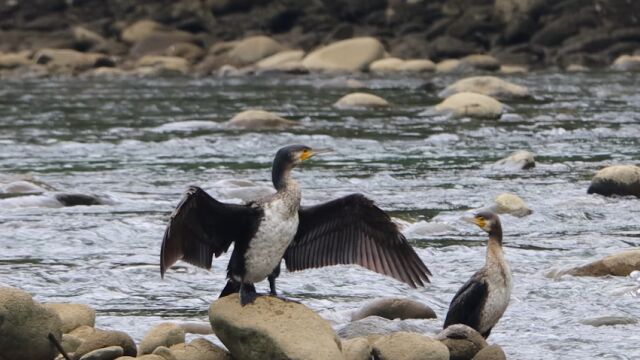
[{"x": 119, "y": 139}]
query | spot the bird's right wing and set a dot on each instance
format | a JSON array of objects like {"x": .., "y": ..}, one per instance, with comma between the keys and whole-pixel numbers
[
  {"x": 467, "y": 304},
  {"x": 201, "y": 227}
]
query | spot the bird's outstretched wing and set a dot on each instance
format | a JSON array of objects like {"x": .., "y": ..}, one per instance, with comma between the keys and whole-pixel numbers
[
  {"x": 201, "y": 227},
  {"x": 352, "y": 230},
  {"x": 467, "y": 304}
]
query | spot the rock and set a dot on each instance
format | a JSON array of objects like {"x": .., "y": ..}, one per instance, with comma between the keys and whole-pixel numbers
[
  {"x": 107, "y": 353},
  {"x": 466, "y": 104},
  {"x": 159, "y": 43},
  {"x": 616, "y": 180},
  {"x": 481, "y": 62},
  {"x": 85, "y": 38},
  {"x": 145, "y": 357},
  {"x": 361, "y": 100},
  {"x": 140, "y": 30},
  {"x": 486, "y": 85},
  {"x": 518, "y": 160},
  {"x": 60, "y": 59},
  {"x": 70, "y": 343},
  {"x": 347, "y": 55},
  {"x": 609, "y": 321},
  {"x": 409, "y": 346},
  {"x": 21, "y": 187},
  {"x": 14, "y": 60},
  {"x": 188, "y": 51},
  {"x": 73, "y": 315},
  {"x": 164, "y": 64},
  {"x": 627, "y": 63},
  {"x": 513, "y": 69},
  {"x": 491, "y": 352},
  {"x": 198, "y": 349},
  {"x": 271, "y": 328},
  {"x": 98, "y": 339},
  {"x": 356, "y": 349},
  {"x": 66, "y": 199},
  {"x": 252, "y": 49},
  {"x": 390, "y": 65},
  {"x": 165, "y": 334},
  {"x": 258, "y": 119},
  {"x": 375, "y": 326},
  {"x": 82, "y": 332},
  {"x": 462, "y": 341},
  {"x": 618, "y": 264},
  {"x": 394, "y": 308},
  {"x": 277, "y": 61},
  {"x": 418, "y": 65},
  {"x": 25, "y": 325},
  {"x": 450, "y": 66},
  {"x": 506, "y": 203},
  {"x": 577, "y": 68}
]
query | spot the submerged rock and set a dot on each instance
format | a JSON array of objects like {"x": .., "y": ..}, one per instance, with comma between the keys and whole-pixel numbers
[
  {"x": 518, "y": 160},
  {"x": 258, "y": 119},
  {"x": 347, "y": 55},
  {"x": 627, "y": 63},
  {"x": 466, "y": 104},
  {"x": 73, "y": 315},
  {"x": 409, "y": 346},
  {"x": 462, "y": 341},
  {"x": 361, "y": 100},
  {"x": 25, "y": 326},
  {"x": 394, "y": 308},
  {"x": 609, "y": 321},
  {"x": 271, "y": 328},
  {"x": 67, "y": 199},
  {"x": 616, "y": 180},
  {"x": 165, "y": 334},
  {"x": 512, "y": 204},
  {"x": 619, "y": 264},
  {"x": 486, "y": 85},
  {"x": 491, "y": 352}
]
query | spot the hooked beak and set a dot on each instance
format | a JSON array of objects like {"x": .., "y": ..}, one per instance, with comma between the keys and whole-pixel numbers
[{"x": 313, "y": 152}]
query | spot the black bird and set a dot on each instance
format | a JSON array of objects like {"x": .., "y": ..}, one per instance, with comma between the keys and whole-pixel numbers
[
  {"x": 348, "y": 230},
  {"x": 483, "y": 299}
]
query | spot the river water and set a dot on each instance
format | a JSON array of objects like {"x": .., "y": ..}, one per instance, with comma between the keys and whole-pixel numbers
[{"x": 126, "y": 141}]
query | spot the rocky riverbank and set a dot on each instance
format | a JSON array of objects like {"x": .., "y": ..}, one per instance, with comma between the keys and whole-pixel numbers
[{"x": 238, "y": 37}]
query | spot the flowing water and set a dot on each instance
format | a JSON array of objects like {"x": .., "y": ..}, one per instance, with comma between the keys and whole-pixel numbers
[{"x": 126, "y": 141}]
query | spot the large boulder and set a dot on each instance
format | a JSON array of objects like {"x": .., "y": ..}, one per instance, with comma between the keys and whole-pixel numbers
[
  {"x": 486, "y": 85},
  {"x": 198, "y": 349},
  {"x": 165, "y": 334},
  {"x": 94, "y": 339},
  {"x": 345, "y": 56},
  {"x": 462, "y": 341},
  {"x": 356, "y": 349},
  {"x": 73, "y": 315},
  {"x": 25, "y": 326},
  {"x": 394, "y": 308},
  {"x": 466, "y": 104},
  {"x": 518, "y": 160},
  {"x": 253, "y": 49},
  {"x": 361, "y": 100},
  {"x": 616, "y": 180},
  {"x": 491, "y": 352},
  {"x": 511, "y": 204},
  {"x": 627, "y": 63},
  {"x": 618, "y": 264},
  {"x": 271, "y": 328},
  {"x": 409, "y": 346},
  {"x": 258, "y": 119}
]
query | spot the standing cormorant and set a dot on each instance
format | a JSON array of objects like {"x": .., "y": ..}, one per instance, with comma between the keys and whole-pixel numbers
[
  {"x": 348, "y": 230},
  {"x": 483, "y": 299}
]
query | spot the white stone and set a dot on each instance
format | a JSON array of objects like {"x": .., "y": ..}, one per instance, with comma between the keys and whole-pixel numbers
[
  {"x": 361, "y": 100},
  {"x": 466, "y": 104}
]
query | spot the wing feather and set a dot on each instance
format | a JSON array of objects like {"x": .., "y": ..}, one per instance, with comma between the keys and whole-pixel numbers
[{"x": 466, "y": 305}]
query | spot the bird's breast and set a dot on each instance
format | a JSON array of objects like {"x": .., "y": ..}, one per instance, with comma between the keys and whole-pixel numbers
[{"x": 499, "y": 284}]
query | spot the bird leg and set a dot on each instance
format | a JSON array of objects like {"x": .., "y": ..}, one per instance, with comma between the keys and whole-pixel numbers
[
  {"x": 272, "y": 280},
  {"x": 247, "y": 294}
]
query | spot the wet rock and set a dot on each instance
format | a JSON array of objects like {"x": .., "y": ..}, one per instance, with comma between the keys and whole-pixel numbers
[
  {"x": 347, "y": 55},
  {"x": 107, "y": 72},
  {"x": 67, "y": 199},
  {"x": 618, "y": 264},
  {"x": 451, "y": 66},
  {"x": 107, "y": 353},
  {"x": 462, "y": 341},
  {"x": 609, "y": 321},
  {"x": 386, "y": 65},
  {"x": 70, "y": 343},
  {"x": 25, "y": 325},
  {"x": 375, "y": 326},
  {"x": 409, "y": 346},
  {"x": 165, "y": 334},
  {"x": 616, "y": 180},
  {"x": 627, "y": 63},
  {"x": 486, "y": 85},
  {"x": 258, "y": 119},
  {"x": 506, "y": 203},
  {"x": 394, "y": 308},
  {"x": 513, "y": 69},
  {"x": 198, "y": 349},
  {"x": 14, "y": 60},
  {"x": 281, "y": 59},
  {"x": 98, "y": 339},
  {"x": 159, "y": 43},
  {"x": 356, "y": 349},
  {"x": 491, "y": 352},
  {"x": 68, "y": 59},
  {"x": 73, "y": 315},
  {"x": 164, "y": 64},
  {"x": 271, "y": 328},
  {"x": 253, "y": 49},
  {"x": 361, "y": 100},
  {"x": 518, "y": 160},
  {"x": 466, "y": 104},
  {"x": 392, "y": 65},
  {"x": 481, "y": 62}
]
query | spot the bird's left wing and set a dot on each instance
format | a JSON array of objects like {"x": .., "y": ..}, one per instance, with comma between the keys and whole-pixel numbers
[
  {"x": 202, "y": 226},
  {"x": 467, "y": 303},
  {"x": 353, "y": 230}
]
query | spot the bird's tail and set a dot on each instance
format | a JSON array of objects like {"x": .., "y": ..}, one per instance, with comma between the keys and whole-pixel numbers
[{"x": 233, "y": 287}]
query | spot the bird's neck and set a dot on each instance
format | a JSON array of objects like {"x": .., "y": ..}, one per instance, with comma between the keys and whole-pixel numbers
[
  {"x": 281, "y": 177},
  {"x": 494, "y": 246}
]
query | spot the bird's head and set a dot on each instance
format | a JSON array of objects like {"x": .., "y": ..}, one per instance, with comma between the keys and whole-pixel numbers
[
  {"x": 293, "y": 155},
  {"x": 486, "y": 220}
]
